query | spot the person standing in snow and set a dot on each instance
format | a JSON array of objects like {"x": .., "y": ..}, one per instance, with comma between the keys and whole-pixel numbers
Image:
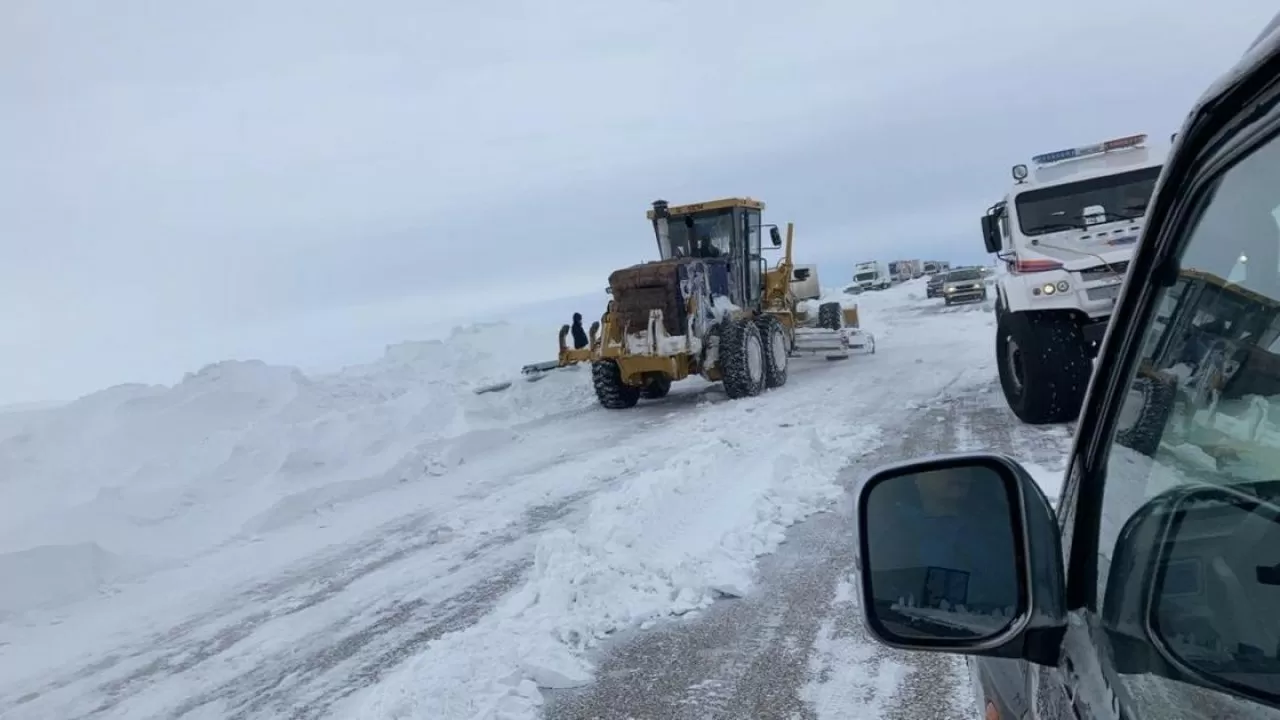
[{"x": 579, "y": 335}]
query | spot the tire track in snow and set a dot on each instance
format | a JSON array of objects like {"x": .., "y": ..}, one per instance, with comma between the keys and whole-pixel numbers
[
  {"x": 356, "y": 645},
  {"x": 310, "y": 584}
]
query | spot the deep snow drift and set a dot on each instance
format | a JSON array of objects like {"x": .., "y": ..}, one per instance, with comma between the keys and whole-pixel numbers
[
  {"x": 240, "y": 448},
  {"x": 383, "y": 542}
]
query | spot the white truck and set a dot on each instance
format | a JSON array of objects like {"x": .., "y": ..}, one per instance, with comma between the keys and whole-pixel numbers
[
  {"x": 871, "y": 275},
  {"x": 1065, "y": 232},
  {"x": 904, "y": 270},
  {"x": 933, "y": 267}
]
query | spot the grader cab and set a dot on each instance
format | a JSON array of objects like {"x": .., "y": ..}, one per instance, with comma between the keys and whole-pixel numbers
[{"x": 709, "y": 306}]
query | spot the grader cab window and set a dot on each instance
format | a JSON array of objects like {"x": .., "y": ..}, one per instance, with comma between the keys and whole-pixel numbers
[{"x": 707, "y": 235}]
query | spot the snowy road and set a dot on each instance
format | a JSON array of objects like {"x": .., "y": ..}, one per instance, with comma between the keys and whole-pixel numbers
[
  {"x": 470, "y": 569},
  {"x": 795, "y": 648}
]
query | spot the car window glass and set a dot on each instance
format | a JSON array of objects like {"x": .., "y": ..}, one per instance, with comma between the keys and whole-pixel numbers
[{"x": 1204, "y": 408}]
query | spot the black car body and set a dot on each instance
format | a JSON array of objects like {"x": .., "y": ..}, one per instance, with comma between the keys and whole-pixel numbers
[
  {"x": 933, "y": 288},
  {"x": 1151, "y": 590}
]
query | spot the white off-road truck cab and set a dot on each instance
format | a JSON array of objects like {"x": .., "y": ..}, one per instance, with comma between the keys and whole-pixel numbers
[{"x": 1066, "y": 232}]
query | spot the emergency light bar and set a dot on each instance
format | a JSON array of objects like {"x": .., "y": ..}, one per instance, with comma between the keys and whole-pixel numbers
[{"x": 1087, "y": 150}]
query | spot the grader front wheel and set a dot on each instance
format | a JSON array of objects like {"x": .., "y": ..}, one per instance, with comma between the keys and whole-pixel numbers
[{"x": 830, "y": 316}]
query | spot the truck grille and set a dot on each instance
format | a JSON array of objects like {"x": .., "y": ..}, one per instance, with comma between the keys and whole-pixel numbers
[{"x": 1102, "y": 272}]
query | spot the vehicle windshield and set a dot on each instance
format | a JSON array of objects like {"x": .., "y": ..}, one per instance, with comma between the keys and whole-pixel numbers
[
  {"x": 709, "y": 236},
  {"x": 961, "y": 275},
  {"x": 1123, "y": 196},
  {"x": 866, "y": 275}
]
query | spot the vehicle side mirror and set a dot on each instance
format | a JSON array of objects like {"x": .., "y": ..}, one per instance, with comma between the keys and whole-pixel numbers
[
  {"x": 1193, "y": 585},
  {"x": 775, "y": 236},
  {"x": 801, "y": 274},
  {"x": 961, "y": 554},
  {"x": 991, "y": 233}
]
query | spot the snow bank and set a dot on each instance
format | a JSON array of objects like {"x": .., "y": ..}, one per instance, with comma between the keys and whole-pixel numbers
[
  {"x": 144, "y": 474},
  {"x": 55, "y": 574},
  {"x": 680, "y": 530}
]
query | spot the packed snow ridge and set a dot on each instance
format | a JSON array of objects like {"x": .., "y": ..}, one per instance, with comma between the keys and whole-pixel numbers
[{"x": 240, "y": 448}]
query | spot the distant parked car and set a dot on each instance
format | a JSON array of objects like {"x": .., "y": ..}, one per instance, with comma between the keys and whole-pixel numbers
[{"x": 964, "y": 284}]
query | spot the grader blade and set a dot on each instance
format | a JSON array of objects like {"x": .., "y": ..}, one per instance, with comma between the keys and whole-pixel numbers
[
  {"x": 539, "y": 368},
  {"x": 821, "y": 341}
]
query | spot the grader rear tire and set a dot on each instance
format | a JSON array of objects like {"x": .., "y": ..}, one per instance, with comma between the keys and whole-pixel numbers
[
  {"x": 656, "y": 388},
  {"x": 742, "y": 360},
  {"x": 776, "y": 351},
  {"x": 612, "y": 393}
]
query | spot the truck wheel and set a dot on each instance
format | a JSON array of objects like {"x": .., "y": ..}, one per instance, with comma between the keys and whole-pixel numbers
[
  {"x": 656, "y": 388},
  {"x": 1044, "y": 366},
  {"x": 830, "y": 316},
  {"x": 775, "y": 350},
  {"x": 1140, "y": 428},
  {"x": 610, "y": 390},
  {"x": 741, "y": 359}
]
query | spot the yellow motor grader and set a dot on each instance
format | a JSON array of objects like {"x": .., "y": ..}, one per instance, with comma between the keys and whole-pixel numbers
[{"x": 709, "y": 306}]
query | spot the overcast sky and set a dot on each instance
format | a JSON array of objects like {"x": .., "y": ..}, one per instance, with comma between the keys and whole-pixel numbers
[{"x": 306, "y": 181}]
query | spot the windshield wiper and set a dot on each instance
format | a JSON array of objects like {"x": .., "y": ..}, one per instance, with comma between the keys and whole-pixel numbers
[
  {"x": 1108, "y": 216},
  {"x": 1054, "y": 227}
]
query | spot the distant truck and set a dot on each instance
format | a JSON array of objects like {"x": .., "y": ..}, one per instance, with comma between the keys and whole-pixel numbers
[
  {"x": 871, "y": 275},
  {"x": 895, "y": 266},
  {"x": 904, "y": 270},
  {"x": 933, "y": 267}
]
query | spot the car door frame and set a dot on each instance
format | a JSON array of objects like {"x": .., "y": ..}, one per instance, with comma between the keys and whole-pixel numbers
[{"x": 1242, "y": 115}]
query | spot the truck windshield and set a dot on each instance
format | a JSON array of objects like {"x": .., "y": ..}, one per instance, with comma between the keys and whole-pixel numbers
[
  {"x": 866, "y": 275},
  {"x": 1122, "y": 196}
]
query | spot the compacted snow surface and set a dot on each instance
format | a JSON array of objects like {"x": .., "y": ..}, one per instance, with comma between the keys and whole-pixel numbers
[{"x": 384, "y": 542}]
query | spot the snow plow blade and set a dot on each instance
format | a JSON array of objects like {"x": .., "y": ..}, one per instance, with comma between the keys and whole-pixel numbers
[
  {"x": 821, "y": 341},
  {"x": 567, "y": 358},
  {"x": 834, "y": 333},
  {"x": 860, "y": 342},
  {"x": 539, "y": 368}
]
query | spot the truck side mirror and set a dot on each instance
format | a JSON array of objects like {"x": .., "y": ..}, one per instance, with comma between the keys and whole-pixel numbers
[
  {"x": 991, "y": 233},
  {"x": 775, "y": 236}
]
